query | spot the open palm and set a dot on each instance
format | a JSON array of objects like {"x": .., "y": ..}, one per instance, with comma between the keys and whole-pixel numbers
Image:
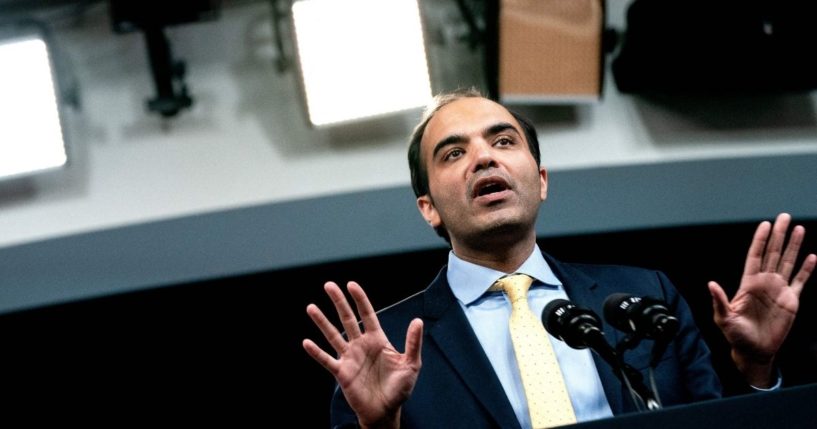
[
  {"x": 758, "y": 318},
  {"x": 375, "y": 378}
]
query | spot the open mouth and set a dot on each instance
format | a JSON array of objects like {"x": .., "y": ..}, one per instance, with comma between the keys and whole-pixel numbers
[{"x": 489, "y": 186}]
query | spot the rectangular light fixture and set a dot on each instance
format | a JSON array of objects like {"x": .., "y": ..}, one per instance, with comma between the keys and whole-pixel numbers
[
  {"x": 360, "y": 58},
  {"x": 31, "y": 136}
]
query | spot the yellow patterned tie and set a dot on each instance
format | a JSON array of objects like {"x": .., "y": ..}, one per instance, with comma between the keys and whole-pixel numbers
[{"x": 548, "y": 401}]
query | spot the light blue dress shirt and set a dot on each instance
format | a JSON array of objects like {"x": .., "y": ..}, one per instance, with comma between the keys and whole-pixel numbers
[{"x": 488, "y": 313}]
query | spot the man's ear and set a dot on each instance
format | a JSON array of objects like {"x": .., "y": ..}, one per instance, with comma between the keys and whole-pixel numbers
[
  {"x": 543, "y": 179},
  {"x": 429, "y": 212}
]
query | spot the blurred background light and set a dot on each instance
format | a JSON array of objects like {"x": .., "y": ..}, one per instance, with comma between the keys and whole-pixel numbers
[
  {"x": 31, "y": 135},
  {"x": 360, "y": 58}
]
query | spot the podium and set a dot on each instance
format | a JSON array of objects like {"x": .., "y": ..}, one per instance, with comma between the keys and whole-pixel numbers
[{"x": 788, "y": 408}]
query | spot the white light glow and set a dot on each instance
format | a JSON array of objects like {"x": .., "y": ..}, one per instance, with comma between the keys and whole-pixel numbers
[
  {"x": 31, "y": 137},
  {"x": 360, "y": 58}
]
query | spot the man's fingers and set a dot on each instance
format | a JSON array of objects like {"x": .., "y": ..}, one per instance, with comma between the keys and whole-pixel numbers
[
  {"x": 790, "y": 255},
  {"x": 364, "y": 307},
  {"x": 774, "y": 247},
  {"x": 803, "y": 275},
  {"x": 328, "y": 330},
  {"x": 331, "y": 364},
  {"x": 345, "y": 313},
  {"x": 720, "y": 303},
  {"x": 414, "y": 342},
  {"x": 754, "y": 258}
]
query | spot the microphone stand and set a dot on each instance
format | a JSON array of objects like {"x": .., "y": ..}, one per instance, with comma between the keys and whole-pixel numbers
[
  {"x": 580, "y": 328},
  {"x": 632, "y": 377}
]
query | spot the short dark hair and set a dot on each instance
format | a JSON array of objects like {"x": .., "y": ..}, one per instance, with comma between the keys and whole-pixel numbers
[{"x": 419, "y": 172}]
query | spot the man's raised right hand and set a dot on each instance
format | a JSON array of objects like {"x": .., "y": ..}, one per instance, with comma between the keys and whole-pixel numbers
[{"x": 375, "y": 378}]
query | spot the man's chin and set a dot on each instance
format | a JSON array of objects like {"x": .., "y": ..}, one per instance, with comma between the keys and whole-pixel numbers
[
  {"x": 500, "y": 221},
  {"x": 497, "y": 232}
]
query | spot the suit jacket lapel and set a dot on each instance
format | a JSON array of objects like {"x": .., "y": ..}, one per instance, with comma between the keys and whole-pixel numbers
[
  {"x": 452, "y": 333},
  {"x": 584, "y": 291}
]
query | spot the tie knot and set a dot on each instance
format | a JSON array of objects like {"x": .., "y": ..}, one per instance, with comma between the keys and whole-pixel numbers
[{"x": 515, "y": 285}]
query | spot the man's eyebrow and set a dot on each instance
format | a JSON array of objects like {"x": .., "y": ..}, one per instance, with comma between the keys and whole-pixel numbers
[
  {"x": 460, "y": 138},
  {"x": 500, "y": 127},
  {"x": 452, "y": 139}
]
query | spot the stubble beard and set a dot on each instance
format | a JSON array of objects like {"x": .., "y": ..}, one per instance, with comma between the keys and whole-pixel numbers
[{"x": 503, "y": 232}]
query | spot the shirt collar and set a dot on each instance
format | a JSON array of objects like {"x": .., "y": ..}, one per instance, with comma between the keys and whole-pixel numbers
[{"x": 469, "y": 281}]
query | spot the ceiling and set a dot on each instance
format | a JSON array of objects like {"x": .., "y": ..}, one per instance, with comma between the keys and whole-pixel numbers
[{"x": 12, "y": 7}]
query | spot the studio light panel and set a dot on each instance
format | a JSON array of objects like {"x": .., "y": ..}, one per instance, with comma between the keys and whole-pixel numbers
[
  {"x": 360, "y": 58},
  {"x": 31, "y": 136}
]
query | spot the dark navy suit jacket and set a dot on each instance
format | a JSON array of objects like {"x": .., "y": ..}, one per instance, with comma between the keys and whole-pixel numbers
[{"x": 457, "y": 386}]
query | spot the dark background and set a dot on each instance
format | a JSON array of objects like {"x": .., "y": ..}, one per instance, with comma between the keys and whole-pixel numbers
[{"x": 231, "y": 347}]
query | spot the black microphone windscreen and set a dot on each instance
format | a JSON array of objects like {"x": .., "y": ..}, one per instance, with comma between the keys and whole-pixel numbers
[
  {"x": 550, "y": 318},
  {"x": 616, "y": 312},
  {"x": 646, "y": 316}
]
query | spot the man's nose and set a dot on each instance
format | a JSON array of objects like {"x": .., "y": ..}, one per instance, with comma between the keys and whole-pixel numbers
[{"x": 483, "y": 157}]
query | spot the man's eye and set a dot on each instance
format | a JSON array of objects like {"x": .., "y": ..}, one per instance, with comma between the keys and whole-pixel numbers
[
  {"x": 504, "y": 142},
  {"x": 454, "y": 153}
]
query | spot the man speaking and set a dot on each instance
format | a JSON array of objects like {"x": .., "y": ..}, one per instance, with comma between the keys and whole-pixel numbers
[{"x": 474, "y": 352}]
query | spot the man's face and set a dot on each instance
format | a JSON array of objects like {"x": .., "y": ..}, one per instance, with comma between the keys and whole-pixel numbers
[{"x": 482, "y": 178}]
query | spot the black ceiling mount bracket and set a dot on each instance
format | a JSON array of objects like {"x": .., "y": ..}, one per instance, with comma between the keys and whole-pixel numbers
[
  {"x": 168, "y": 75},
  {"x": 172, "y": 95}
]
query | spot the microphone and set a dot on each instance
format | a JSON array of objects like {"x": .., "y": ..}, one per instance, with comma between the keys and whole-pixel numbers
[
  {"x": 578, "y": 327},
  {"x": 645, "y": 317}
]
